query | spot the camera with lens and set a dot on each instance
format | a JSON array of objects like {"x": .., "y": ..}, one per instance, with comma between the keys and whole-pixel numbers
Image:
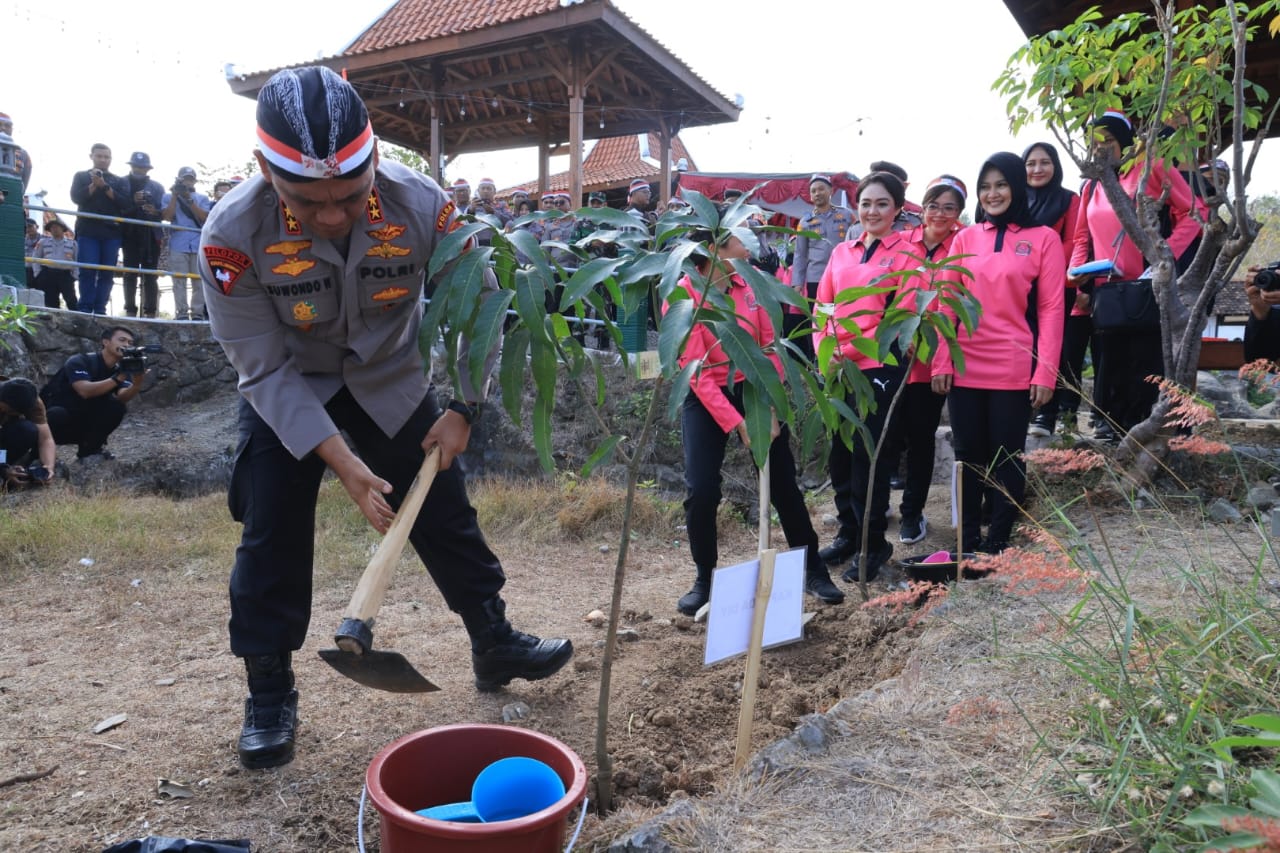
[
  {"x": 97, "y": 173},
  {"x": 1268, "y": 278},
  {"x": 134, "y": 359},
  {"x": 179, "y": 188}
]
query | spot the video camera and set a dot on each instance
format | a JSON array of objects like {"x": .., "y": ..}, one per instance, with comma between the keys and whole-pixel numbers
[
  {"x": 1268, "y": 278},
  {"x": 134, "y": 359}
]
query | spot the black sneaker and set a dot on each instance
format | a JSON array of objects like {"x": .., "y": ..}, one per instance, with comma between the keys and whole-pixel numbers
[
  {"x": 1041, "y": 425},
  {"x": 875, "y": 559},
  {"x": 912, "y": 529},
  {"x": 838, "y": 551},
  {"x": 1105, "y": 433},
  {"x": 821, "y": 588}
]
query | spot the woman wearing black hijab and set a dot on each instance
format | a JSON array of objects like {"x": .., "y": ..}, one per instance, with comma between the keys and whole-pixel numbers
[
  {"x": 1054, "y": 205},
  {"x": 1014, "y": 264}
]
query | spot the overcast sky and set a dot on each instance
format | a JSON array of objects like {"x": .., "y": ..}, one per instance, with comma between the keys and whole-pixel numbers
[{"x": 826, "y": 86}]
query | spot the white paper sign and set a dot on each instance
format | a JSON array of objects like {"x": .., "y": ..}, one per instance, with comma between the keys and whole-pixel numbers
[{"x": 733, "y": 597}]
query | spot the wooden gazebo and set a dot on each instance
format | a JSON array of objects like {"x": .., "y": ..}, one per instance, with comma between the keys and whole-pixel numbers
[{"x": 448, "y": 77}]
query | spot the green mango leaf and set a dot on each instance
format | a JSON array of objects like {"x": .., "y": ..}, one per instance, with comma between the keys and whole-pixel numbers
[
  {"x": 452, "y": 246},
  {"x": 511, "y": 371},
  {"x": 486, "y": 334},
  {"x": 602, "y": 454}
]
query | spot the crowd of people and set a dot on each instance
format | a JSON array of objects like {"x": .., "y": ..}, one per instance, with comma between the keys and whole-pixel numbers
[{"x": 1023, "y": 363}]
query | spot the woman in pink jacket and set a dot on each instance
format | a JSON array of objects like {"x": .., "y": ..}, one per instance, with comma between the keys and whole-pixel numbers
[
  {"x": 1124, "y": 359},
  {"x": 878, "y": 252},
  {"x": 1054, "y": 205},
  {"x": 916, "y": 425},
  {"x": 1014, "y": 265},
  {"x": 712, "y": 412}
]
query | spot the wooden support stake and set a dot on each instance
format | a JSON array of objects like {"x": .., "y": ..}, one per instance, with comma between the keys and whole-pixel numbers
[
  {"x": 764, "y": 588},
  {"x": 959, "y": 477}
]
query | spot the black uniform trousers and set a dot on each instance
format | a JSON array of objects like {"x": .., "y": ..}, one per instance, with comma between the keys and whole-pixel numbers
[
  {"x": 704, "y": 449},
  {"x": 54, "y": 283},
  {"x": 1124, "y": 360},
  {"x": 274, "y": 496},
  {"x": 915, "y": 433},
  {"x": 1075, "y": 344},
  {"x": 19, "y": 439},
  {"x": 88, "y": 425},
  {"x": 141, "y": 251},
  {"x": 989, "y": 429},
  {"x": 851, "y": 468}
]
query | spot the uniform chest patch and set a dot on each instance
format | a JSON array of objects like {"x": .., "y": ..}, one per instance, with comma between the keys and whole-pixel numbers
[
  {"x": 304, "y": 312},
  {"x": 387, "y": 250},
  {"x": 389, "y": 293},
  {"x": 1023, "y": 248},
  {"x": 227, "y": 265},
  {"x": 387, "y": 232},
  {"x": 292, "y": 265}
]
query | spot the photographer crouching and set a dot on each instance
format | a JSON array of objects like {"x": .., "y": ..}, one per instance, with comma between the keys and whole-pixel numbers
[
  {"x": 27, "y": 451},
  {"x": 85, "y": 400},
  {"x": 1262, "y": 334}
]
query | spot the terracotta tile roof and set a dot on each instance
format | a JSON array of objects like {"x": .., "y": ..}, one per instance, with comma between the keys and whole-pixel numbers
[
  {"x": 614, "y": 162},
  {"x": 410, "y": 21}
]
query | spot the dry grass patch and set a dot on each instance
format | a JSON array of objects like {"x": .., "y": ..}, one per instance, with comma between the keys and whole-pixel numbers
[{"x": 545, "y": 511}]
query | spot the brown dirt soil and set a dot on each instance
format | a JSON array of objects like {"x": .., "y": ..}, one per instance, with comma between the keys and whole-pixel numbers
[{"x": 84, "y": 643}]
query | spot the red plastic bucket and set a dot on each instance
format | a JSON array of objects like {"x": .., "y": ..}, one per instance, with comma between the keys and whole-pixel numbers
[{"x": 438, "y": 765}]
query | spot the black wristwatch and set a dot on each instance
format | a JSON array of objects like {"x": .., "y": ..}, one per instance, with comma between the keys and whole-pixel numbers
[{"x": 469, "y": 411}]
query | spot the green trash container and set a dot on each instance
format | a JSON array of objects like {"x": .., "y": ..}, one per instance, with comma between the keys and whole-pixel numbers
[
  {"x": 634, "y": 326},
  {"x": 13, "y": 226}
]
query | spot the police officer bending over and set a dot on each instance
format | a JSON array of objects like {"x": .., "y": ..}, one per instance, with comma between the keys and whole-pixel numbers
[{"x": 313, "y": 273}]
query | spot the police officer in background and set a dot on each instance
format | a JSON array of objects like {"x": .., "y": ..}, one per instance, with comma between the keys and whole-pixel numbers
[
  {"x": 832, "y": 223},
  {"x": 313, "y": 273}
]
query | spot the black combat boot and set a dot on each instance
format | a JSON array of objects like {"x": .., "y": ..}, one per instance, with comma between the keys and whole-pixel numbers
[
  {"x": 500, "y": 653},
  {"x": 692, "y": 601},
  {"x": 270, "y": 712}
]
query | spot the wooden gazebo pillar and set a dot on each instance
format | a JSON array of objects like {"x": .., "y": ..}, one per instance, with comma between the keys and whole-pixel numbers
[{"x": 576, "y": 92}]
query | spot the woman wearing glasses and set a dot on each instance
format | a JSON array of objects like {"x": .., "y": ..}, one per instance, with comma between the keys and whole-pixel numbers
[
  {"x": 1054, "y": 205},
  {"x": 919, "y": 410},
  {"x": 1014, "y": 264},
  {"x": 878, "y": 252}
]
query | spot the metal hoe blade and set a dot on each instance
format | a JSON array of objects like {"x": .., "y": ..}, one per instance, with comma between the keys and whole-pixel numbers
[{"x": 387, "y": 671}]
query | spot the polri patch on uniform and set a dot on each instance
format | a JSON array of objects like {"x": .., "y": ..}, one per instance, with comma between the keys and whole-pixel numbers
[
  {"x": 304, "y": 312},
  {"x": 227, "y": 265},
  {"x": 443, "y": 219},
  {"x": 1023, "y": 248}
]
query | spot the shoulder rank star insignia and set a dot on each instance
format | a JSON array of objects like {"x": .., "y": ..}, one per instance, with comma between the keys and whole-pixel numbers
[
  {"x": 291, "y": 223},
  {"x": 293, "y": 266},
  {"x": 386, "y": 250},
  {"x": 304, "y": 312},
  {"x": 374, "y": 207},
  {"x": 387, "y": 232}
]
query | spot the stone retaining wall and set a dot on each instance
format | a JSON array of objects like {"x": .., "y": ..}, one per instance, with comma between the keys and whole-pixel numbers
[{"x": 192, "y": 366}]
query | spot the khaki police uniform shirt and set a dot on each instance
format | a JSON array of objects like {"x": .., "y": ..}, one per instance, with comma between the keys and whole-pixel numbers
[
  {"x": 299, "y": 321},
  {"x": 812, "y": 255}
]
